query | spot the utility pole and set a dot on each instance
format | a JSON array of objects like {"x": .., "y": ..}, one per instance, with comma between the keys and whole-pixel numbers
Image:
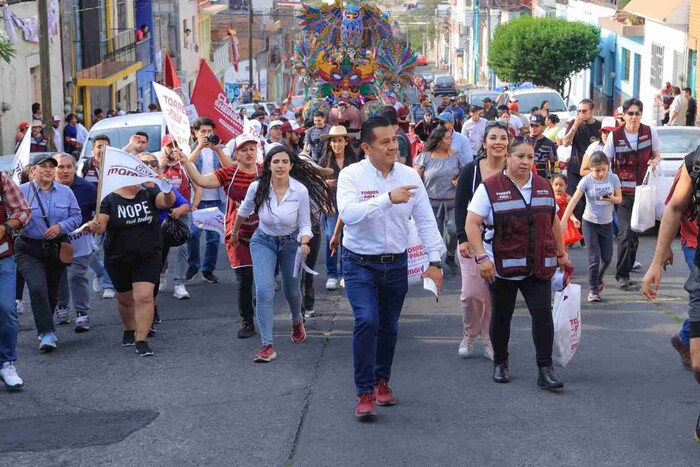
[
  {"x": 45, "y": 65},
  {"x": 250, "y": 49}
]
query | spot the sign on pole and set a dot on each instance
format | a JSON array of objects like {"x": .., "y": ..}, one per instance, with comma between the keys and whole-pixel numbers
[
  {"x": 21, "y": 158},
  {"x": 120, "y": 169},
  {"x": 175, "y": 115}
]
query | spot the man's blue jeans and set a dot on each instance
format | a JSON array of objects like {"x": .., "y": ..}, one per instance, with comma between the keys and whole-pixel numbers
[
  {"x": 684, "y": 333},
  {"x": 8, "y": 311},
  {"x": 211, "y": 250},
  {"x": 267, "y": 251},
  {"x": 329, "y": 223},
  {"x": 376, "y": 293},
  {"x": 97, "y": 263}
]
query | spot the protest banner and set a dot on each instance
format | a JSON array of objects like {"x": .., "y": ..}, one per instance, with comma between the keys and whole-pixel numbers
[
  {"x": 210, "y": 219},
  {"x": 121, "y": 169},
  {"x": 175, "y": 115},
  {"x": 21, "y": 158}
]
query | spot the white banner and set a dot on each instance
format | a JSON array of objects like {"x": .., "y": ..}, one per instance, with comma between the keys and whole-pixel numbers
[
  {"x": 210, "y": 219},
  {"x": 121, "y": 169},
  {"x": 22, "y": 156},
  {"x": 175, "y": 115},
  {"x": 83, "y": 243},
  {"x": 418, "y": 261}
]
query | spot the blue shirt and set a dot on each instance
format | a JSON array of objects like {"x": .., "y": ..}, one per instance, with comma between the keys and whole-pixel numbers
[
  {"x": 60, "y": 206},
  {"x": 86, "y": 194},
  {"x": 179, "y": 201},
  {"x": 457, "y": 112},
  {"x": 461, "y": 144}
]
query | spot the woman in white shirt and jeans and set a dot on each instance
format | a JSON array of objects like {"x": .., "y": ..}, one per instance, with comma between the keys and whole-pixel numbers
[{"x": 281, "y": 197}]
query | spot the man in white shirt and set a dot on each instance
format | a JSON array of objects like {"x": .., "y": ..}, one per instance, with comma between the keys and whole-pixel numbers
[
  {"x": 678, "y": 109},
  {"x": 376, "y": 199},
  {"x": 460, "y": 143},
  {"x": 475, "y": 128},
  {"x": 207, "y": 158}
]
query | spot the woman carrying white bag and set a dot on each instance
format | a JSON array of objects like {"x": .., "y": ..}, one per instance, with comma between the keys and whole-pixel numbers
[{"x": 632, "y": 148}]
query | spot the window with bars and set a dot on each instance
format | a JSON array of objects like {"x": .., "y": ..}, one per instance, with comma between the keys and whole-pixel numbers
[
  {"x": 625, "y": 65},
  {"x": 657, "y": 65}
]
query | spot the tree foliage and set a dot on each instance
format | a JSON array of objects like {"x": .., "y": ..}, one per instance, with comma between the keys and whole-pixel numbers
[
  {"x": 546, "y": 51},
  {"x": 7, "y": 51}
]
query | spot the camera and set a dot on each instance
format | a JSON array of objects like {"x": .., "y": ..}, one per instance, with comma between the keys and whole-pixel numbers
[{"x": 213, "y": 140}]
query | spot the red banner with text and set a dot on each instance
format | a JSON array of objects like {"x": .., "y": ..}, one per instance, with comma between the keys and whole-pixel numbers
[{"x": 210, "y": 100}]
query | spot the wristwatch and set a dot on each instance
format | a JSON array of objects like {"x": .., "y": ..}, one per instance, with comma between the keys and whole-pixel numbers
[
  {"x": 481, "y": 258},
  {"x": 436, "y": 264}
]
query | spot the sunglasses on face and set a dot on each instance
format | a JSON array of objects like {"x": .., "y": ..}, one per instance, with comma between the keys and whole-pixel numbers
[
  {"x": 634, "y": 114},
  {"x": 152, "y": 163}
]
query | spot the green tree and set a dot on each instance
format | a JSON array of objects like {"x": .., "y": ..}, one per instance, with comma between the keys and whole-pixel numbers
[
  {"x": 7, "y": 51},
  {"x": 546, "y": 51}
]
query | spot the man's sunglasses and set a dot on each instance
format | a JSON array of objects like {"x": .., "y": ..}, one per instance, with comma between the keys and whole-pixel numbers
[
  {"x": 634, "y": 114},
  {"x": 152, "y": 163}
]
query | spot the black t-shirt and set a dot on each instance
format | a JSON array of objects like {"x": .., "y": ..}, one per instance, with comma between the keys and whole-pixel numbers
[
  {"x": 133, "y": 227},
  {"x": 545, "y": 156},
  {"x": 585, "y": 135}
]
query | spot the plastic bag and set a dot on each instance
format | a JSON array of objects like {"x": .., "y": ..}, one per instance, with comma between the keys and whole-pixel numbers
[
  {"x": 663, "y": 188},
  {"x": 571, "y": 235},
  {"x": 175, "y": 232},
  {"x": 644, "y": 207},
  {"x": 566, "y": 314}
]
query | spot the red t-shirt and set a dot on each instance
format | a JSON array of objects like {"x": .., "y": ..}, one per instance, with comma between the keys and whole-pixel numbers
[
  {"x": 235, "y": 184},
  {"x": 689, "y": 228},
  {"x": 178, "y": 178},
  {"x": 402, "y": 112}
]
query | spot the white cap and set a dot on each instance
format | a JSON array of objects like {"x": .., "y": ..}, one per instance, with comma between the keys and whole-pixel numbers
[
  {"x": 245, "y": 138},
  {"x": 275, "y": 123}
]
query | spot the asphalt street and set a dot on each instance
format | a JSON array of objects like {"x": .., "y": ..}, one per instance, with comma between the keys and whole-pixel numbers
[{"x": 202, "y": 401}]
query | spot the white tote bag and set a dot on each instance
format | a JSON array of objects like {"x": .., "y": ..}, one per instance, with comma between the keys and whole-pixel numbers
[
  {"x": 566, "y": 314},
  {"x": 644, "y": 208}
]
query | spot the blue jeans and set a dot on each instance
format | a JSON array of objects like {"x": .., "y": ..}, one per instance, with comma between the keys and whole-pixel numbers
[
  {"x": 684, "y": 333},
  {"x": 211, "y": 250},
  {"x": 97, "y": 263},
  {"x": 329, "y": 223},
  {"x": 8, "y": 311},
  {"x": 376, "y": 293},
  {"x": 599, "y": 242},
  {"x": 267, "y": 251}
]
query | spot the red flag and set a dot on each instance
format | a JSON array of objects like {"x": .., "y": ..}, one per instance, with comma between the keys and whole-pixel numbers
[
  {"x": 210, "y": 100},
  {"x": 235, "y": 56},
  {"x": 170, "y": 78}
]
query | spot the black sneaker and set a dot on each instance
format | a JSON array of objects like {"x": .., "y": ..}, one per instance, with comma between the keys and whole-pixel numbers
[
  {"x": 143, "y": 349},
  {"x": 129, "y": 338},
  {"x": 152, "y": 332},
  {"x": 247, "y": 330},
  {"x": 191, "y": 273},
  {"x": 156, "y": 316},
  {"x": 210, "y": 277}
]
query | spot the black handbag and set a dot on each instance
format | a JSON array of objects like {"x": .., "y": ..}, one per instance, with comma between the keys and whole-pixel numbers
[{"x": 60, "y": 248}]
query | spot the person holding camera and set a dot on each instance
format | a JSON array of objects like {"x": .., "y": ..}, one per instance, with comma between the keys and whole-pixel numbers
[
  {"x": 207, "y": 157},
  {"x": 56, "y": 214},
  {"x": 173, "y": 170}
]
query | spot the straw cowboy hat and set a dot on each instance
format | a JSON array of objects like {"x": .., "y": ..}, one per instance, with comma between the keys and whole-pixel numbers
[{"x": 338, "y": 130}]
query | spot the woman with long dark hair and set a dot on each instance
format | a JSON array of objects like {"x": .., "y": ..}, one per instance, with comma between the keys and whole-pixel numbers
[
  {"x": 338, "y": 155},
  {"x": 281, "y": 197},
  {"x": 439, "y": 166},
  {"x": 544, "y": 108}
]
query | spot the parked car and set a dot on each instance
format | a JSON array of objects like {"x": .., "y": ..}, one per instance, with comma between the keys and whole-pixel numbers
[
  {"x": 444, "y": 85},
  {"x": 477, "y": 96},
  {"x": 421, "y": 60},
  {"x": 268, "y": 107},
  {"x": 6, "y": 162},
  {"x": 675, "y": 142},
  {"x": 120, "y": 129},
  {"x": 533, "y": 97}
]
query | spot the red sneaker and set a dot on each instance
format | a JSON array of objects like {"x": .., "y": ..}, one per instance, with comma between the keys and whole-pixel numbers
[
  {"x": 382, "y": 393},
  {"x": 365, "y": 407},
  {"x": 266, "y": 354},
  {"x": 298, "y": 332}
]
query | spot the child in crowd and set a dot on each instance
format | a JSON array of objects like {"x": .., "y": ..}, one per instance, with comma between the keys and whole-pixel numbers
[
  {"x": 570, "y": 232},
  {"x": 602, "y": 189}
]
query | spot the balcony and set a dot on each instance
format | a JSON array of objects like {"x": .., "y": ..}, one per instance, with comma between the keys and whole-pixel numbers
[
  {"x": 114, "y": 57},
  {"x": 623, "y": 25},
  {"x": 220, "y": 56}
]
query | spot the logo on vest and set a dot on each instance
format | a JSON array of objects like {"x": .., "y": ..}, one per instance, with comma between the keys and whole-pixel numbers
[
  {"x": 542, "y": 192},
  {"x": 369, "y": 194},
  {"x": 503, "y": 195}
]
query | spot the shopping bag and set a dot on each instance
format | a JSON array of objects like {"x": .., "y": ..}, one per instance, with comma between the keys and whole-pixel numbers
[
  {"x": 566, "y": 314},
  {"x": 571, "y": 235},
  {"x": 418, "y": 261},
  {"x": 644, "y": 207},
  {"x": 663, "y": 188}
]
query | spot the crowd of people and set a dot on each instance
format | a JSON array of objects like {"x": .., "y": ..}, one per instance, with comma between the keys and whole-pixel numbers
[{"x": 481, "y": 186}]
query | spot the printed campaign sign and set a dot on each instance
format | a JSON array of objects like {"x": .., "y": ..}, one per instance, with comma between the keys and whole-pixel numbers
[
  {"x": 121, "y": 169},
  {"x": 21, "y": 158},
  {"x": 210, "y": 99},
  {"x": 210, "y": 219},
  {"x": 418, "y": 261},
  {"x": 83, "y": 243},
  {"x": 175, "y": 115}
]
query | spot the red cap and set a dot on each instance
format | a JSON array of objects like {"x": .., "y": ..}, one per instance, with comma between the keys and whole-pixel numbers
[
  {"x": 286, "y": 126},
  {"x": 23, "y": 126},
  {"x": 513, "y": 106},
  {"x": 167, "y": 139}
]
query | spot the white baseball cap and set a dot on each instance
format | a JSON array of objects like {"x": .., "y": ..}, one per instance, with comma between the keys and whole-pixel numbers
[
  {"x": 275, "y": 123},
  {"x": 244, "y": 138}
]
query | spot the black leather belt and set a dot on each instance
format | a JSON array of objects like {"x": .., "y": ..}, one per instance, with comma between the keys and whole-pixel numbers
[{"x": 383, "y": 259}]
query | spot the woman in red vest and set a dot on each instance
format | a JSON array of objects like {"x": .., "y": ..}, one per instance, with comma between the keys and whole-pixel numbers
[
  {"x": 235, "y": 180},
  {"x": 520, "y": 249}
]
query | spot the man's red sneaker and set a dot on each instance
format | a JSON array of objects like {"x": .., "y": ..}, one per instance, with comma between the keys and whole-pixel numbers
[
  {"x": 365, "y": 407},
  {"x": 298, "y": 333},
  {"x": 266, "y": 354},
  {"x": 382, "y": 393}
]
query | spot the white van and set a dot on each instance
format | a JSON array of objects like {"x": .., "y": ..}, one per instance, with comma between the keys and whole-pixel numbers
[
  {"x": 534, "y": 97},
  {"x": 120, "y": 129}
]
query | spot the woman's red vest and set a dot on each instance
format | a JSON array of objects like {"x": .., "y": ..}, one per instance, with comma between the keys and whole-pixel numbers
[
  {"x": 630, "y": 164},
  {"x": 523, "y": 242}
]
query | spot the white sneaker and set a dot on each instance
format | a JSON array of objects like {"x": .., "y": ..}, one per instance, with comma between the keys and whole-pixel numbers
[
  {"x": 331, "y": 284},
  {"x": 20, "y": 307},
  {"x": 341, "y": 283},
  {"x": 62, "y": 315},
  {"x": 163, "y": 282},
  {"x": 8, "y": 373},
  {"x": 466, "y": 347},
  {"x": 309, "y": 314},
  {"x": 636, "y": 266},
  {"x": 488, "y": 352},
  {"x": 82, "y": 324},
  {"x": 97, "y": 284},
  {"x": 181, "y": 292},
  {"x": 109, "y": 293}
]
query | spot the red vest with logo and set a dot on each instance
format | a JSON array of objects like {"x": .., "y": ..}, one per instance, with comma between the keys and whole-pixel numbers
[
  {"x": 523, "y": 242},
  {"x": 6, "y": 244},
  {"x": 630, "y": 164},
  {"x": 178, "y": 177}
]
